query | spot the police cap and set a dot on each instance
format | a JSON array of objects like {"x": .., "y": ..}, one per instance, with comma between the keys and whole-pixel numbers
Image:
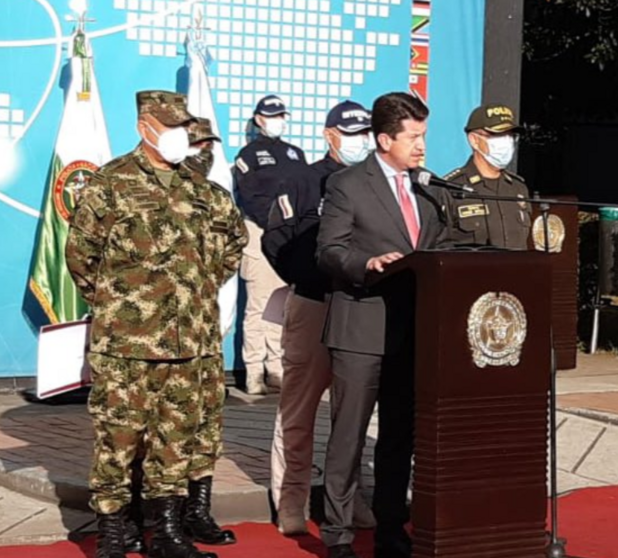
[
  {"x": 494, "y": 118},
  {"x": 349, "y": 117},
  {"x": 167, "y": 107},
  {"x": 201, "y": 130},
  {"x": 271, "y": 105}
]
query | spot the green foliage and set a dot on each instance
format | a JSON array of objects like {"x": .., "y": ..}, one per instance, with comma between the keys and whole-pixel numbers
[{"x": 585, "y": 29}]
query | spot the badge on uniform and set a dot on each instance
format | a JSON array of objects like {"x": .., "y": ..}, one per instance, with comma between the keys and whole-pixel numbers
[
  {"x": 474, "y": 210},
  {"x": 285, "y": 206},
  {"x": 265, "y": 158},
  {"x": 292, "y": 154},
  {"x": 522, "y": 204},
  {"x": 242, "y": 166}
]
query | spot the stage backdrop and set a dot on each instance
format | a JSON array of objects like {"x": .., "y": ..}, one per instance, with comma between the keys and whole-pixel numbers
[{"x": 314, "y": 53}]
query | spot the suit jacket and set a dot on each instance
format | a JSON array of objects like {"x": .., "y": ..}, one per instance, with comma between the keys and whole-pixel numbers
[{"x": 362, "y": 219}]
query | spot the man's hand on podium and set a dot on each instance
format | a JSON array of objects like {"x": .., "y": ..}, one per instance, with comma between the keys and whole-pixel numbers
[{"x": 378, "y": 263}]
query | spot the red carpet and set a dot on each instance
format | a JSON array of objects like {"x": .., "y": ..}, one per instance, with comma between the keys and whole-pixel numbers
[{"x": 588, "y": 519}]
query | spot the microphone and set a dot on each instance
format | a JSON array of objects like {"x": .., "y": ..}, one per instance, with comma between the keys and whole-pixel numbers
[{"x": 425, "y": 178}]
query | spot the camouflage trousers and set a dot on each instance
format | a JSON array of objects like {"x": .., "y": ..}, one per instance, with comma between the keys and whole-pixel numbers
[
  {"x": 134, "y": 403},
  {"x": 208, "y": 444}
]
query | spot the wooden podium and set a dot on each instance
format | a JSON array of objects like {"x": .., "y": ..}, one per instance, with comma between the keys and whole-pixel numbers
[{"x": 479, "y": 487}]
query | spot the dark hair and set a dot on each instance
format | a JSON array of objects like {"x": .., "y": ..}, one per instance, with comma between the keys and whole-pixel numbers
[{"x": 389, "y": 110}]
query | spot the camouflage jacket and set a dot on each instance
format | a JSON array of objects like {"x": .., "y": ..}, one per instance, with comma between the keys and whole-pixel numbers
[{"x": 149, "y": 259}]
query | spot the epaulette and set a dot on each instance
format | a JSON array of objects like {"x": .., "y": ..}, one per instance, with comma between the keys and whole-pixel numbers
[
  {"x": 216, "y": 186},
  {"x": 116, "y": 163},
  {"x": 515, "y": 176},
  {"x": 453, "y": 174}
]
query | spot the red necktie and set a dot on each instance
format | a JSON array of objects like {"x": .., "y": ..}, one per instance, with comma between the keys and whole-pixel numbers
[{"x": 407, "y": 209}]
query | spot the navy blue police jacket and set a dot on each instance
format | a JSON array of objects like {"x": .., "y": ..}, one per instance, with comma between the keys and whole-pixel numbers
[
  {"x": 263, "y": 167},
  {"x": 290, "y": 238}
]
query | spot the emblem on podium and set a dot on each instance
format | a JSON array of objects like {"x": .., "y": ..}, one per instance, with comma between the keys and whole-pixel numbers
[
  {"x": 497, "y": 328},
  {"x": 556, "y": 233}
]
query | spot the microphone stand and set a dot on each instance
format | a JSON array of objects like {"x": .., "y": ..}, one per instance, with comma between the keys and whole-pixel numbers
[{"x": 557, "y": 545}]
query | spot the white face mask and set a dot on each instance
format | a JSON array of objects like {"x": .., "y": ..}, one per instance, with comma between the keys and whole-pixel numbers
[
  {"x": 353, "y": 149},
  {"x": 500, "y": 151},
  {"x": 172, "y": 145},
  {"x": 273, "y": 127}
]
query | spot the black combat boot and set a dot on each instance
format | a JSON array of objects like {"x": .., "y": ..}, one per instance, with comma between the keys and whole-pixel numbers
[
  {"x": 168, "y": 540},
  {"x": 110, "y": 538},
  {"x": 198, "y": 522},
  {"x": 133, "y": 513}
]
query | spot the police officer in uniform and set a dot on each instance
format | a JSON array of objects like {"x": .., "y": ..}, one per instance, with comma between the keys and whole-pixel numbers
[
  {"x": 290, "y": 243},
  {"x": 263, "y": 167},
  {"x": 147, "y": 249},
  {"x": 492, "y": 133}
]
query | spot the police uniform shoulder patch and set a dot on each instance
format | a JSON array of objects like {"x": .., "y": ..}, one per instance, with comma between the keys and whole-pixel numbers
[
  {"x": 286, "y": 207},
  {"x": 453, "y": 174},
  {"x": 514, "y": 176},
  {"x": 242, "y": 166}
]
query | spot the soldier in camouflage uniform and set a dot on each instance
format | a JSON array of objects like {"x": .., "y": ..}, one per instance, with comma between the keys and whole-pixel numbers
[
  {"x": 198, "y": 521},
  {"x": 148, "y": 246}
]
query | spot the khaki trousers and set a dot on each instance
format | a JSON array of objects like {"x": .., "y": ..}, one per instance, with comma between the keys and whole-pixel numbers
[
  {"x": 261, "y": 339},
  {"x": 307, "y": 374}
]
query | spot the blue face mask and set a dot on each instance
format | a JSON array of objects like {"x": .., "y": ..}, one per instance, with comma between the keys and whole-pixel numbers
[
  {"x": 353, "y": 149},
  {"x": 500, "y": 151}
]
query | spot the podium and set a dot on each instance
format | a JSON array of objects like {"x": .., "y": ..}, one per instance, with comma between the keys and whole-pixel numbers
[{"x": 482, "y": 365}]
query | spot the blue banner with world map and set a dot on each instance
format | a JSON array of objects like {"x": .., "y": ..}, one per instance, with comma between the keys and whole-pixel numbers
[{"x": 313, "y": 53}]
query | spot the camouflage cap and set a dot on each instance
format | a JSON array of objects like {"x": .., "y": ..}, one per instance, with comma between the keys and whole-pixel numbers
[
  {"x": 200, "y": 130},
  {"x": 167, "y": 107},
  {"x": 495, "y": 119}
]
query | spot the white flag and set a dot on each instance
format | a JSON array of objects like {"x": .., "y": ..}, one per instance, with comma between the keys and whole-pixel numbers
[
  {"x": 200, "y": 104},
  {"x": 83, "y": 134},
  {"x": 82, "y": 146}
]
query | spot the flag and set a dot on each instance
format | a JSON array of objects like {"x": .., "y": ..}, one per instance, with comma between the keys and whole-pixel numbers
[
  {"x": 82, "y": 146},
  {"x": 200, "y": 104}
]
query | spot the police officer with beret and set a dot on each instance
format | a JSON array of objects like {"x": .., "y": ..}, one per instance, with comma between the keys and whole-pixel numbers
[
  {"x": 290, "y": 242},
  {"x": 263, "y": 167},
  {"x": 492, "y": 134}
]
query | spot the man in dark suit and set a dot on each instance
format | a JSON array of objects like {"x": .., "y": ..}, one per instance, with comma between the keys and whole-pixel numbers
[{"x": 375, "y": 213}]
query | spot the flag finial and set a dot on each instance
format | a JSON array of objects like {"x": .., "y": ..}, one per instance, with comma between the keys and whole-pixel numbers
[{"x": 79, "y": 9}]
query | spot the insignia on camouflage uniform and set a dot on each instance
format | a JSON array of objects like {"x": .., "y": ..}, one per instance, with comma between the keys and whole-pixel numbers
[
  {"x": 69, "y": 184},
  {"x": 285, "y": 206},
  {"x": 242, "y": 166},
  {"x": 555, "y": 231},
  {"x": 473, "y": 210},
  {"x": 497, "y": 329}
]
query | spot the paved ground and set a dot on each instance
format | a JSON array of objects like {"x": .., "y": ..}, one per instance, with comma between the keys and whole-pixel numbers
[{"x": 45, "y": 450}]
